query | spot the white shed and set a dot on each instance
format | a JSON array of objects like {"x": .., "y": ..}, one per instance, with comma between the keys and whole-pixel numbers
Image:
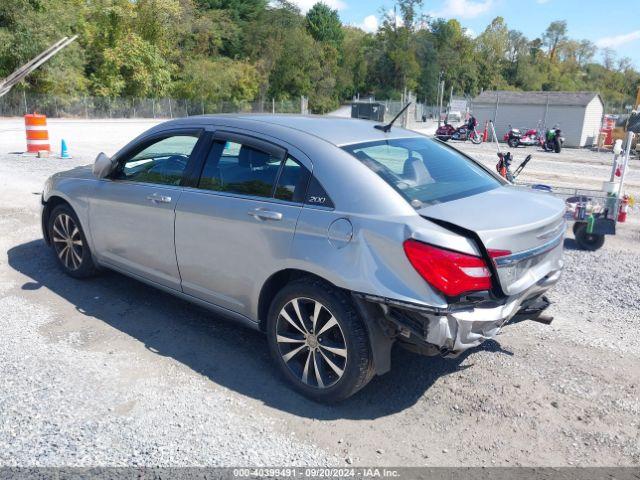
[{"x": 579, "y": 114}]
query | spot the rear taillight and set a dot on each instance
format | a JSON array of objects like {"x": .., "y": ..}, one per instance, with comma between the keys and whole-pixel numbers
[
  {"x": 452, "y": 273},
  {"x": 498, "y": 253}
]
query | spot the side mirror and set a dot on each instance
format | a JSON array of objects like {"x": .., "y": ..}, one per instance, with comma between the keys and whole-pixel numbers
[{"x": 103, "y": 165}]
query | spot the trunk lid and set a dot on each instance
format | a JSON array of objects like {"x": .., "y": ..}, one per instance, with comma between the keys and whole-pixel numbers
[{"x": 529, "y": 224}]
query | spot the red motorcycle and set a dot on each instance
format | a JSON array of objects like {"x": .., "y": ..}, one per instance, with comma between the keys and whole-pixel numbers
[
  {"x": 515, "y": 138},
  {"x": 448, "y": 132}
]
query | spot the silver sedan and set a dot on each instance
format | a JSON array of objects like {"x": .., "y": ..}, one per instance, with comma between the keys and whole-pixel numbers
[{"x": 335, "y": 238}]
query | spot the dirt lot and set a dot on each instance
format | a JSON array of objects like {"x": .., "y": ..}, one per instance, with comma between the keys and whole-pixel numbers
[{"x": 112, "y": 372}]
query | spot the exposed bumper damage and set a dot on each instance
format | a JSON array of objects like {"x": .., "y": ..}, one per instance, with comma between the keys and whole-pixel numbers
[
  {"x": 461, "y": 331},
  {"x": 452, "y": 331}
]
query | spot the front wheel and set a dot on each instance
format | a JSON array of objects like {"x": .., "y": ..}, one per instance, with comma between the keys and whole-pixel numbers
[
  {"x": 513, "y": 142},
  {"x": 476, "y": 139},
  {"x": 70, "y": 243},
  {"x": 319, "y": 341}
]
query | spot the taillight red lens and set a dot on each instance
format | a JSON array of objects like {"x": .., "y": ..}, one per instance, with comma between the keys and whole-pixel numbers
[
  {"x": 498, "y": 253},
  {"x": 452, "y": 273}
]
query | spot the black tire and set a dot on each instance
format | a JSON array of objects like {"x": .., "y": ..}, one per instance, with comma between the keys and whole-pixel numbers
[
  {"x": 557, "y": 147},
  {"x": 356, "y": 365},
  {"x": 78, "y": 260},
  {"x": 513, "y": 142},
  {"x": 587, "y": 241},
  {"x": 575, "y": 227}
]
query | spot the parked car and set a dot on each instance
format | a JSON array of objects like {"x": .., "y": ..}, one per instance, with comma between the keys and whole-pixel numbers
[
  {"x": 454, "y": 117},
  {"x": 336, "y": 239}
]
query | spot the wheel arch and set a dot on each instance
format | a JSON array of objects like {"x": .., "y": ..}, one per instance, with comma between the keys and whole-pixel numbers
[
  {"x": 379, "y": 342},
  {"x": 274, "y": 284},
  {"x": 47, "y": 207}
]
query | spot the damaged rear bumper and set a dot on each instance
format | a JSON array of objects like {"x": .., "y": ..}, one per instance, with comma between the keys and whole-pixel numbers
[{"x": 451, "y": 331}]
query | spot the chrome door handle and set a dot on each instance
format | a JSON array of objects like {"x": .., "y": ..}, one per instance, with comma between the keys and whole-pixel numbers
[
  {"x": 155, "y": 198},
  {"x": 261, "y": 214}
]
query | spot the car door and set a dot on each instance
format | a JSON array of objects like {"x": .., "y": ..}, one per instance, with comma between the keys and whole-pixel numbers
[
  {"x": 132, "y": 212},
  {"x": 235, "y": 227}
]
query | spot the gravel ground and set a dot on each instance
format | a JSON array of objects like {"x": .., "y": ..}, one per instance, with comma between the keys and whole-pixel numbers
[{"x": 112, "y": 372}]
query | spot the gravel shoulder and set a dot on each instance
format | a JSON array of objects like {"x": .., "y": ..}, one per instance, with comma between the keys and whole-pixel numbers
[{"x": 112, "y": 372}]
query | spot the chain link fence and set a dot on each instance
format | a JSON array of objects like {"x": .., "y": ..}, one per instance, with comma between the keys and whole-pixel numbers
[{"x": 20, "y": 102}]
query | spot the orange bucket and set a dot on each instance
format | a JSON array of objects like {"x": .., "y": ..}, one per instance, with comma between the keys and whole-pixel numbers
[{"x": 37, "y": 133}]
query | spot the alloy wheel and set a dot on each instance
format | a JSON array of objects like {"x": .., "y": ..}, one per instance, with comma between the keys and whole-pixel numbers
[
  {"x": 67, "y": 241},
  {"x": 311, "y": 343}
]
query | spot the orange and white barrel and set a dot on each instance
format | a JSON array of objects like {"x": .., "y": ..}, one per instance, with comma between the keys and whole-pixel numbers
[{"x": 37, "y": 133}]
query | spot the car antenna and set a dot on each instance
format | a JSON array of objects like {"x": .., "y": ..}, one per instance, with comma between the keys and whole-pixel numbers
[{"x": 387, "y": 128}]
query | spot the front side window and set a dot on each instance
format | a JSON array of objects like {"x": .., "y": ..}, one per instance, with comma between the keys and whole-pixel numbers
[
  {"x": 423, "y": 171},
  {"x": 163, "y": 162}
]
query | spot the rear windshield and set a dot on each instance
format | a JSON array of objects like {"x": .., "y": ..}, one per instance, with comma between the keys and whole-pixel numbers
[{"x": 423, "y": 171}]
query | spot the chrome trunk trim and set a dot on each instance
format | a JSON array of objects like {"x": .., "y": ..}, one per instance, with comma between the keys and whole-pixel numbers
[{"x": 532, "y": 252}]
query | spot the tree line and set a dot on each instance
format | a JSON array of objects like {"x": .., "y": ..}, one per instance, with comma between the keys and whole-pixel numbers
[{"x": 245, "y": 50}]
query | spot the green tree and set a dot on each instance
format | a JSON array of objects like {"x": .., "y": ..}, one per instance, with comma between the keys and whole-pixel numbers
[
  {"x": 493, "y": 46},
  {"x": 218, "y": 80},
  {"x": 555, "y": 34},
  {"x": 133, "y": 68},
  {"x": 324, "y": 25}
]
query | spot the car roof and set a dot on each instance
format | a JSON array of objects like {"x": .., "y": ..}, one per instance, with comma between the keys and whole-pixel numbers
[{"x": 336, "y": 130}]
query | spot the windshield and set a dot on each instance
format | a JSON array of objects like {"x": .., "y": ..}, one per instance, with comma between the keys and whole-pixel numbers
[{"x": 424, "y": 171}]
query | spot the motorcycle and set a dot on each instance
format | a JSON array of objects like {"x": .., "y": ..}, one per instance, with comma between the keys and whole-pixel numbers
[
  {"x": 553, "y": 140},
  {"x": 504, "y": 166},
  {"x": 515, "y": 138},
  {"x": 448, "y": 132}
]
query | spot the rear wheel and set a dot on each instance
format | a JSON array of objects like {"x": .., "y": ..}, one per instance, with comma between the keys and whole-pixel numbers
[
  {"x": 557, "y": 147},
  {"x": 318, "y": 341},
  {"x": 69, "y": 243},
  {"x": 587, "y": 241}
]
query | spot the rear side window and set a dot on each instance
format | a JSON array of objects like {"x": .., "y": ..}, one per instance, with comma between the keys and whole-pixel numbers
[
  {"x": 423, "y": 171},
  {"x": 237, "y": 168},
  {"x": 244, "y": 169},
  {"x": 292, "y": 182}
]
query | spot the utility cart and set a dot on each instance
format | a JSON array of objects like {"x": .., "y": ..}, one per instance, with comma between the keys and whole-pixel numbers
[{"x": 595, "y": 213}]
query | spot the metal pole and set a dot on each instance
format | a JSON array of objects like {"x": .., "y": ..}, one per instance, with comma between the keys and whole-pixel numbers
[
  {"x": 24, "y": 97},
  {"x": 612, "y": 177},
  {"x": 627, "y": 155},
  {"x": 441, "y": 95},
  {"x": 546, "y": 112},
  {"x": 273, "y": 105},
  {"x": 493, "y": 134},
  {"x": 495, "y": 116}
]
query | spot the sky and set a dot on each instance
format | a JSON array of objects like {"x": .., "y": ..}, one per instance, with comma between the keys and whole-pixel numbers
[{"x": 612, "y": 23}]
